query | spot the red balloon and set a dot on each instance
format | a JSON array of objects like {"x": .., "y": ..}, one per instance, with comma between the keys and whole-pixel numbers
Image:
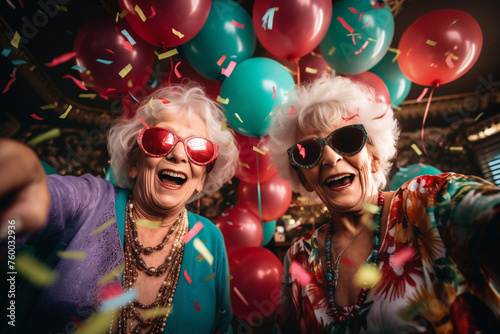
[
  {"x": 240, "y": 228},
  {"x": 248, "y": 157},
  {"x": 167, "y": 23},
  {"x": 372, "y": 80},
  {"x": 257, "y": 275},
  {"x": 316, "y": 63},
  {"x": 297, "y": 26},
  {"x": 440, "y": 47},
  {"x": 102, "y": 39},
  {"x": 275, "y": 194}
]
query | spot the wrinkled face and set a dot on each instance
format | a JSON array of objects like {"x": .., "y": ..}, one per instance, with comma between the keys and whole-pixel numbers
[
  {"x": 166, "y": 183},
  {"x": 341, "y": 182}
]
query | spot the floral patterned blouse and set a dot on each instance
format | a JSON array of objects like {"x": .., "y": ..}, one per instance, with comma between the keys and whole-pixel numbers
[{"x": 449, "y": 220}]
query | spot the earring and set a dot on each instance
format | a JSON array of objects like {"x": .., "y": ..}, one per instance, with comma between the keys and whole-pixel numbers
[{"x": 198, "y": 193}]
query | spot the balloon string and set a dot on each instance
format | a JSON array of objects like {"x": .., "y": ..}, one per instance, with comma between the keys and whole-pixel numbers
[
  {"x": 425, "y": 117},
  {"x": 198, "y": 208},
  {"x": 296, "y": 61},
  {"x": 258, "y": 187}
]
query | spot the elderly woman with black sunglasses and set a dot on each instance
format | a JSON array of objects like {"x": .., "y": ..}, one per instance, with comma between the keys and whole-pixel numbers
[
  {"x": 139, "y": 235},
  {"x": 423, "y": 258}
]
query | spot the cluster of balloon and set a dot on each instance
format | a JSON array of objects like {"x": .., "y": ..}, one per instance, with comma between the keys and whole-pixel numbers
[
  {"x": 115, "y": 58},
  {"x": 290, "y": 29},
  {"x": 359, "y": 35},
  {"x": 227, "y": 31},
  {"x": 398, "y": 85},
  {"x": 247, "y": 170}
]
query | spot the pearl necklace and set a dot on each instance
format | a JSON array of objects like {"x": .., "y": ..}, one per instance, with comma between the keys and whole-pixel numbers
[{"x": 332, "y": 277}]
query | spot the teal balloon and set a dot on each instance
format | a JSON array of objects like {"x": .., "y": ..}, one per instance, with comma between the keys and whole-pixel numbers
[
  {"x": 109, "y": 176},
  {"x": 268, "y": 229},
  {"x": 47, "y": 168},
  {"x": 220, "y": 37},
  {"x": 398, "y": 85},
  {"x": 409, "y": 172},
  {"x": 254, "y": 89},
  {"x": 375, "y": 29}
]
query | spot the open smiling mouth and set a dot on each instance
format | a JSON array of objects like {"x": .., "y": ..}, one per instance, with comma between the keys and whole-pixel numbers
[
  {"x": 339, "y": 181},
  {"x": 172, "y": 179}
]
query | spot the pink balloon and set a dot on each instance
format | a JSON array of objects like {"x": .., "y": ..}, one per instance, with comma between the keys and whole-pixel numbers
[
  {"x": 240, "y": 228},
  {"x": 372, "y": 80},
  {"x": 275, "y": 193},
  {"x": 248, "y": 157},
  {"x": 256, "y": 283}
]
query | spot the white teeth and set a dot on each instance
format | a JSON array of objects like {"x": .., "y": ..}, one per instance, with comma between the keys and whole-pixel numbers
[
  {"x": 177, "y": 175},
  {"x": 337, "y": 177}
]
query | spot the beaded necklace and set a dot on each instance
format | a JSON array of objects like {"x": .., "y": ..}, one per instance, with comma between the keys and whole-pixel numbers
[{"x": 332, "y": 277}]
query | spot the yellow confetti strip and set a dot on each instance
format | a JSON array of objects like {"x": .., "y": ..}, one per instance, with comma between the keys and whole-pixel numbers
[
  {"x": 151, "y": 103},
  {"x": 370, "y": 207},
  {"x": 199, "y": 258},
  {"x": 478, "y": 116},
  {"x": 168, "y": 54},
  {"x": 408, "y": 53},
  {"x": 456, "y": 148},
  {"x": 148, "y": 223},
  {"x": 200, "y": 247},
  {"x": 238, "y": 117},
  {"x": 259, "y": 151},
  {"x": 141, "y": 14},
  {"x": 103, "y": 226},
  {"x": 221, "y": 100},
  {"x": 125, "y": 70},
  {"x": 243, "y": 164},
  {"x": 270, "y": 114},
  {"x": 416, "y": 149},
  {"x": 108, "y": 277},
  {"x": 47, "y": 106},
  {"x": 67, "y": 112},
  {"x": 276, "y": 9},
  {"x": 429, "y": 42},
  {"x": 269, "y": 166},
  {"x": 372, "y": 40},
  {"x": 177, "y": 33},
  {"x": 331, "y": 51},
  {"x": 97, "y": 323},
  {"x": 311, "y": 70},
  {"x": 15, "y": 40},
  {"x": 289, "y": 70},
  {"x": 209, "y": 277},
  {"x": 62, "y": 8},
  {"x": 368, "y": 222},
  {"x": 117, "y": 16},
  {"x": 129, "y": 84},
  {"x": 223, "y": 125},
  {"x": 88, "y": 96},
  {"x": 156, "y": 312},
  {"x": 397, "y": 52},
  {"x": 229, "y": 277},
  {"x": 396, "y": 107},
  {"x": 34, "y": 271},
  {"x": 122, "y": 14},
  {"x": 367, "y": 275},
  {"x": 453, "y": 57},
  {"x": 72, "y": 255},
  {"x": 51, "y": 134}
]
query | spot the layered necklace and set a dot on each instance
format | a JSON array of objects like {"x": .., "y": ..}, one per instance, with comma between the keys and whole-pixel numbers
[
  {"x": 332, "y": 273},
  {"x": 129, "y": 315}
]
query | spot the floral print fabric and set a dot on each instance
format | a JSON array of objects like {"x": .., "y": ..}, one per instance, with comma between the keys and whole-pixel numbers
[{"x": 444, "y": 288}]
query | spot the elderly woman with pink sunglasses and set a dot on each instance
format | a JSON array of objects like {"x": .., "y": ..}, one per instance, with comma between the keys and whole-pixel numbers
[
  {"x": 172, "y": 153},
  {"x": 421, "y": 259}
]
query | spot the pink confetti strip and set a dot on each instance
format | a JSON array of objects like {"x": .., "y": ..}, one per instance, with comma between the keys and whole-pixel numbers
[
  {"x": 192, "y": 232},
  {"x": 128, "y": 46},
  {"x": 299, "y": 273},
  {"x": 11, "y": 4},
  {"x": 187, "y": 276},
  {"x": 61, "y": 59},
  {"x": 76, "y": 322},
  {"x": 221, "y": 60},
  {"x": 353, "y": 40},
  {"x": 6, "y": 89},
  {"x": 291, "y": 111},
  {"x": 177, "y": 74},
  {"x": 423, "y": 94},
  {"x": 302, "y": 151},
  {"x": 354, "y": 10},
  {"x": 229, "y": 69},
  {"x": 20, "y": 2},
  {"x": 345, "y": 24},
  {"x": 240, "y": 295},
  {"x": 76, "y": 81},
  {"x": 197, "y": 307},
  {"x": 402, "y": 256},
  {"x": 164, "y": 101},
  {"x": 110, "y": 51},
  {"x": 449, "y": 62},
  {"x": 104, "y": 94},
  {"x": 347, "y": 119},
  {"x": 362, "y": 48},
  {"x": 38, "y": 118},
  {"x": 153, "y": 13},
  {"x": 363, "y": 27},
  {"x": 274, "y": 92},
  {"x": 142, "y": 121},
  {"x": 237, "y": 25},
  {"x": 360, "y": 16}
]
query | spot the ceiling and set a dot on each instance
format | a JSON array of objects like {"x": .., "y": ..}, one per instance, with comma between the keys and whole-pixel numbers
[{"x": 56, "y": 37}]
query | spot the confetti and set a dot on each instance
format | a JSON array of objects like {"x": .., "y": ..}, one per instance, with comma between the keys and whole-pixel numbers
[
  {"x": 221, "y": 100},
  {"x": 187, "y": 276},
  {"x": 6, "y": 51},
  {"x": 122, "y": 14},
  {"x": 128, "y": 46},
  {"x": 76, "y": 321},
  {"x": 164, "y": 101},
  {"x": 140, "y": 13},
  {"x": 422, "y": 94},
  {"x": 370, "y": 207},
  {"x": 87, "y": 96},
  {"x": 244, "y": 164},
  {"x": 200, "y": 247},
  {"x": 51, "y": 134},
  {"x": 478, "y": 116},
  {"x": 362, "y": 48},
  {"x": 274, "y": 93},
  {"x": 456, "y": 148},
  {"x": 237, "y": 25},
  {"x": 452, "y": 23},
  {"x": 368, "y": 221},
  {"x": 372, "y": 39},
  {"x": 331, "y": 51},
  {"x": 127, "y": 35},
  {"x": 97, "y": 323},
  {"x": 76, "y": 81},
  {"x": 229, "y": 69},
  {"x": 408, "y": 53},
  {"x": 15, "y": 40},
  {"x": 240, "y": 295},
  {"x": 238, "y": 117},
  {"x": 229, "y": 277},
  {"x": 352, "y": 9},
  {"x": 17, "y": 62},
  {"x": 107, "y": 62},
  {"x": 367, "y": 276},
  {"x": 311, "y": 70},
  {"x": 196, "y": 306},
  {"x": 431, "y": 43},
  {"x": 110, "y": 51},
  {"x": 168, "y": 54},
  {"x": 259, "y": 151},
  {"x": 402, "y": 256},
  {"x": 72, "y": 255},
  {"x": 177, "y": 33},
  {"x": 62, "y": 8},
  {"x": 366, "y": 25},
  {"x": 449, "y": 62},
  {"x": 38, "y": 118},
  {"x": 34, "y": 271},
  {"x": 192, "y": 232},
  {"x": 347, "y": 119},
  {"x": 221, "y": 60},
  {"x": 118, "y": 301},
  {"x": 79, "y": 68},
  {"x": 13, "y": 75},
  {"x": 302, "y": 151},
  {"x": 416, "y": 149},
  {"x": 125, "y": 70},
  {"x": 223, "y": 125},
  {"x": 61, "y": 59},
  {"x": 360, "y": 16},
  {"x": 291, "y": 111},
  {"x": 135, "y": 99},
  {"x": 299, "y": 273},
  {"x": 177, "y": 74},
  {"x": 269, "y": 18},
  {"x": 345, "y": 24},
  {"x": 396, "y": 51},
  {"x": 11, "y": 4},
  {"x": 156, "y": 312},
  {"x": 63, "y": 116},
  {"x": 153, "y": 85},
  {"x": 153, "y": 13},
  {"x": 103, "y": 226},
  {"x": 109, "y": 276},
  {"x": 209, "y": 277}
]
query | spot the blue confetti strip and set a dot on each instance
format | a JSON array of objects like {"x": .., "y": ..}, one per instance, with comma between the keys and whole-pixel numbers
[
  {"x": 130, "y": 39},
  {"x": 133, "y": 96},
  {"x": 107, "y": 62},
  {"x": 118, "y": 301},
  {"x": 268, "y": 18},
  {"x": 153, "y": 85},
  {"x": 79, "y": 68},
  {"x": 6, "y": 51},
  {"x": 18, "y": 62}
]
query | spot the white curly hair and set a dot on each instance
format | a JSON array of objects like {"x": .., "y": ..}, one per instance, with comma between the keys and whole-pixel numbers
[
  {"x": 323, "y": 102},
  {"x": 184, "y": 100}
]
